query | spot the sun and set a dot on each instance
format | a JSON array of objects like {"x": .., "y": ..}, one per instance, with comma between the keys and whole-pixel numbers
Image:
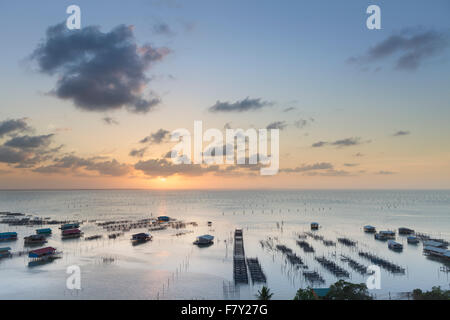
[{"x": 162, "y": 179}]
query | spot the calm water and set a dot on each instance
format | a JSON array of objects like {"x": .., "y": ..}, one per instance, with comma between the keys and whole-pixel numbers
[{"x": 170, "y": 267}]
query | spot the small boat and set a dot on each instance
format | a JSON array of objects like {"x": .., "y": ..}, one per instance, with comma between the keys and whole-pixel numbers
[
  {"x": 405, "y": 231},
  {"x": 388, "y": 234},
  {"x": 370, "y": 229},
  {"x": 141, "y": 237},
  {"x": 71, "y": 233},
  {"x": 413, "y": 240},
  {"x": 95, "y": 237},
  {"x": 47, "y": 253},
  {"x": 69, "y": 226},
  {"x": 46, "y": 231},
  {"x": 204, "y": 240},
  {"x": 436, "y": 244},
  {"x": 395, "y": 245},
  {"x": 5, "y": 252},
  {"x": 380, "y": 236},
  {"x": 35, "y": 239},
  {"x": 8, "y": 236},
  {"x": 437, "y": 252},
  {"x": 157, "y": 227},
  {"x": 163, "y": 219},
  {"x": 314, "y": 226}
]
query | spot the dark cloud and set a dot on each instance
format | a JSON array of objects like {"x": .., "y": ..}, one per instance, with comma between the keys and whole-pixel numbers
[
  {"x": 347, "y": 142},
  {"x": 164, "y": 168},
  {"x": 340, "y": 143},
  {"x": 311, "y": 167},
  {"x": 277, "y": 125},
  {"x": 30, "y": 142},
  {"x": 289, "y": 109},
  {"x": 109, "y": 168},
  {"x": 410, "y": 48},
  {"x": 240, "y": 106},
  {"x": 301, "y": 123},
  {"x": 110, "y": 120},
  {"x": 12, "y": 126},
  {"x": 330, "y": 173},
  {"x": 157, "y": 137},
  {"x": 138, "y": 153},
  {"x": 162, "y": 28},
  {"x": 72, "y": 163},
  {"x": 401, "y": 133},
  {"x": 319, "y": 144},
  {"x": 12, "y": 156},
  {"x": 99, "y": 71}
]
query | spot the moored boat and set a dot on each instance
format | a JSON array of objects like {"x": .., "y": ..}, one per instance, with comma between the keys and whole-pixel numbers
[
  {"x": 370, "y": 229},
  {"x": 8, "y": 236},
  {"x": 69, "y": 226},
  {"x": 204, "y": 240},
  {"x": 405, "y": 231},
  {"x": 5, "y": 252},
  {"x": 71, "y": 233},
  {"x": 35, "y": 239},
  {"x": 395, "y": 245},
  {"x": 141, "y": 237},
  {"x": 413, "y": 240},
  {"x": 45, "y": 231},
  {"x": 388, "y": 234},
  {"x": 47, "y": 253},
  {"x": 314, "y": 226}
]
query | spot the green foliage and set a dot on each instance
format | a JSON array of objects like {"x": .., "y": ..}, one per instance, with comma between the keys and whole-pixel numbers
[
  {"x": 305, "y": 294},
  {"x": 436, "y": 293},
  {"x": 264, "y": 294},
  {"x": 343, "y": 290}
]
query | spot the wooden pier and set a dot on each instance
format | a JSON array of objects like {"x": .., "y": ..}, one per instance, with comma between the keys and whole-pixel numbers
[{"x": 239, "y": 266}]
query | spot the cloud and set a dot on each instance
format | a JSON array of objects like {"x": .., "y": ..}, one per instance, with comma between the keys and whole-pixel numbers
[
  {"x": 240, "y": 106},
  {"x": 311, "y": 167},
  {"x": 99, "y": 71},
  {"x": 30, "y": 142},
  {"x": 156, "y": 137},
  {"x": 164, "y": 168},
  {"x": 281, "y": 125},
  {"x": 11, "y": 155},
  {"x": 319, "y": 144},
  {"x": 411, "y": 48},
  {"x": 340, "y": 143},
  {"x": 138, "y": 153},
  {"x": 289, "y": 109},
  {"x": 109, "y": 168},
  {"x": 382, "y": 172},
  {"x": 351, "y": 164},
  {"x": 347, "y": 142},
  {"x": 301, "y": 123},
  {"x": 13, "y": 126},
  {"x": 401, "y": 133},
  {"x": 72, "y": 163},
  {"x": 162, "y": 28},
  {"x": 110, "y": 120}
]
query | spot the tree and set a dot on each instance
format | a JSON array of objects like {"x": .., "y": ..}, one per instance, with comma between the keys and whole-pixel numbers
[
  {"x": 343, "y": 290},
  {"x": 305, "y": 294},
  {"x": 264, "y": 294},
  {"x": 436, "y": 293}
]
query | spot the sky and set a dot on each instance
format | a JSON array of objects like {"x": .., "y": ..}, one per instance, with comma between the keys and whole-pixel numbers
[{"x": 94, "y": 108}]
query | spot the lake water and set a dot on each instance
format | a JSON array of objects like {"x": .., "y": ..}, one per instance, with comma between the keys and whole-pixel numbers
[{"x": 171, "y": 267}]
